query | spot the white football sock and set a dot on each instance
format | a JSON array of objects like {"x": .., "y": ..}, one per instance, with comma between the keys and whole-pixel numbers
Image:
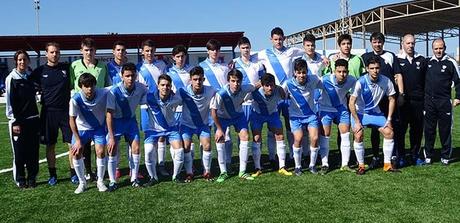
[
  {"x": 188, "y": 162},
  {"x": 256, "y": 155},
  {"x": 345, "y": 148},
  {"x": 161, "y": 153},
  {"x": 112, "y": 168},
  {"x": 178, "y": 161},
  {"x": 243, "y": 155},
  {"x": 221, "y": 156},
  {"x": 79, "y": 167},
  {"x": 388, "y": 145},
  {"x": 313, "y": 156},
  {"x": 281, "y": 151},
  {"x": 100, "y": 165},
  {"x": 359, "y": 152},
  {"x": 207, "y": 158},
  {"x": 297, "y": 154},
  {"x": 151, "y": 160},
  {"x": 135, "y": 170},
  {"x": 324, "y": 150}
]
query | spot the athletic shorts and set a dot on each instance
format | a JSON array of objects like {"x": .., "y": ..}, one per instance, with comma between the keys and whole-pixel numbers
[
  {"x": 258, "y": 120},
  {"x": 126, "y": 127},
  {"x": 247, "y": 110},
  {"x": 170, "y": 135},
  {"x": 297, "y": 123},
  {"x": 97, "y": 136},
  {"x": 239, "y": 123},
  {"x": 342, "y": 117},
  {"x": 50, "y": 123},
  {"x": 374, "y": 120},
  {"x": 202, "y": 132}
]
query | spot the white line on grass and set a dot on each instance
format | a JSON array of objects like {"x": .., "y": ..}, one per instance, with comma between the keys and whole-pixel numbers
[{"x": 41, "y": 161}]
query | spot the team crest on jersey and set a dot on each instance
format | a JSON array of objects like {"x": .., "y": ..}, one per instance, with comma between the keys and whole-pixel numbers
[
  {"x": 64, "y": 73},
  {"x": 418, "y": 65},
  {"x": 443, "y": 68},
  {"x": 429, "y": 65},
  {"x": 45, "y": 75},
  {"x": 402, "y": 64}
]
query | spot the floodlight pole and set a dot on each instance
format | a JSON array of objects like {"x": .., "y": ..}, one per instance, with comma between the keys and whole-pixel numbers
[{"x": 37, "y": 13}]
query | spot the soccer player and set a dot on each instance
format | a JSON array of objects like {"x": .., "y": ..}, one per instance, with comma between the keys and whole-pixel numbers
[
  {"x": 162, "y": 106},
  {"x": 364, "y": 107},
  {"x": 195, "y": 121},
  {"x": 333, "y": 106},
  {"x": 316, "y": 62},
  {"x": 115, "y": 65},
  {"x": 24, "y": 123},
  {"x": 122, "y": 102},
  {"x": 356, "y": 65},
  {"x": 87, "y": 121},
  {"x": 226, "y": 110},
  {"x": 413, "y": 70},
  {"x": 54, "y": 81},
  {"x": 302, "y": 113},
  {"x": 278, "y": 61},
  {"x": 216, "y": 76},
  {"x": 149, "y": 71},
  {"x": 88, "y": 64},
  {"x": 442, "y": 73},
  {"x": 389, "y": 67},
  {"x": 265, "y": 110}
]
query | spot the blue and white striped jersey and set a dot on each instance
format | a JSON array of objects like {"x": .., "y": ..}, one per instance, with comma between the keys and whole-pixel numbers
[
  {"x": 369, "y": 94},
  {"x": 215, "y": 74},
  {"x": 302, "y": 101},
  {"x": 280, "y": 63},
  {"x": 89, "y": 115},
  {"x": 195, "y": 107},
  {"x": 334, "y": 95},
  {"x": 123, "y": 103},
  {"x": 228, "y": 104},
  {"x": 161, "y": 114},
  {"x": 266, "y": 105},
  {"x": 114, "y": 71}
]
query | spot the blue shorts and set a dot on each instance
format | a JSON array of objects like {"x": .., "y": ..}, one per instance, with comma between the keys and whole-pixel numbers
[
  {"x": 297, "y": 123},
  {"x": 258, "y": 120},
  {"x": 97, "y": 135},
  {"x": 170, "y": 135},
  {"x": 127, "y": 128},
  {"x": 239, "y": 123},
  {"x": 247, "y": 110},
  {"x": 340, "y": 117},
  {"x": 374, "y": 120},
  {"x": 202, "y": 132}
]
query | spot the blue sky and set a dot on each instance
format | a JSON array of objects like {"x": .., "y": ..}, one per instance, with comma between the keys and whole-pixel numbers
[{"x": 255, "y": 17}]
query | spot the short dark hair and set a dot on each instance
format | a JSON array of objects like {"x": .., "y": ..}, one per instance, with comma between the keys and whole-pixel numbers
[
  {"x": 118, "y": 43},
  {"x": 88, "y": 42},
  {"x": 373, "y": 60},
  {"x": 179, "y": 49},
  {"x": 300, "y": 65},
  {"x": 341, "y": 63},
  {"x": 244, "y": 40},
  {"x": 149, "y": 43},
  {"x": 164, "y": 77},
  {"x": 128, "y": 67},
  {"x": 309, "y": 38},
  {"x": 278, "y": 31},
  {"x": 86, "y": 79},
  {"x": 197, "y": 71},
  {"x": 234, "y": 73},
  {"x": 267, "y": 79},
  {"x": 344, "y": 37},
  {"x": 377, "y": 36},
  {"x": 52, "y": 44},
  {"x": 19, "y": 52},
  {"x": 213, "y": 44}
]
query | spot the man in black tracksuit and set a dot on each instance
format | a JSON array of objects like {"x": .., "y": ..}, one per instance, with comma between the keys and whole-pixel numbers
[
  {"x": 413, "y": 69},
  {"x": 442, "y": 71}
]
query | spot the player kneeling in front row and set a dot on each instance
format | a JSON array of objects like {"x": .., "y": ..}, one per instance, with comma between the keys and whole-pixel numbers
[
  {"x": 226, "y": 110},
  {"x": 265, "y": 102},
  {"x": 364, "y": 107},
  {"x": 195, "y": 121},
  {"x": 302, "y": 113},
  {"x": 87, "y": 121},
  {"x": 333, "y": 107},
  {"x": 162, "y": 106},
  {"x": 122, "y": 102}
]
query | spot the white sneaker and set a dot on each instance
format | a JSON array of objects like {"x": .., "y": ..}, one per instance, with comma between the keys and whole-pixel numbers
[
  {"x": 428, "y": 161},
  {"x": 80, "y": 189},
  {"x": 101, "y": 186},
  {"x": 444, "y": 161}
]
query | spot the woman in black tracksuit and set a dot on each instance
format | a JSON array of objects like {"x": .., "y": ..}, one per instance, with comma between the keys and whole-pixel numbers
[{"x": 22, "y": 112}]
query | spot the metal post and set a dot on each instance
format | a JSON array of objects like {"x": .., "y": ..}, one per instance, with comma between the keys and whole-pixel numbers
[
  {"x": 382, "y": 20},
  {"x": 37, "y": 13},
  {"x": 427, "y": 44}
]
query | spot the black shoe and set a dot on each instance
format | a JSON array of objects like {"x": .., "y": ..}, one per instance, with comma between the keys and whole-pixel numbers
[
  {"x": 22, "y": 184},
  {"x": 273, "y": 165},
  {"x": 375, "y": 163},
  {"x": 151, "y": 182},
  {"x": 324, "y": 170},
  {"x": 32, "y": 183}
]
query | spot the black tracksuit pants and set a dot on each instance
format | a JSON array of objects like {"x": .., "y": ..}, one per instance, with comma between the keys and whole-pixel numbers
[
  {"x": 411, "y": 114},
  {"x": 438, "y": 113},
  {"x": 26, "y": 146}
]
